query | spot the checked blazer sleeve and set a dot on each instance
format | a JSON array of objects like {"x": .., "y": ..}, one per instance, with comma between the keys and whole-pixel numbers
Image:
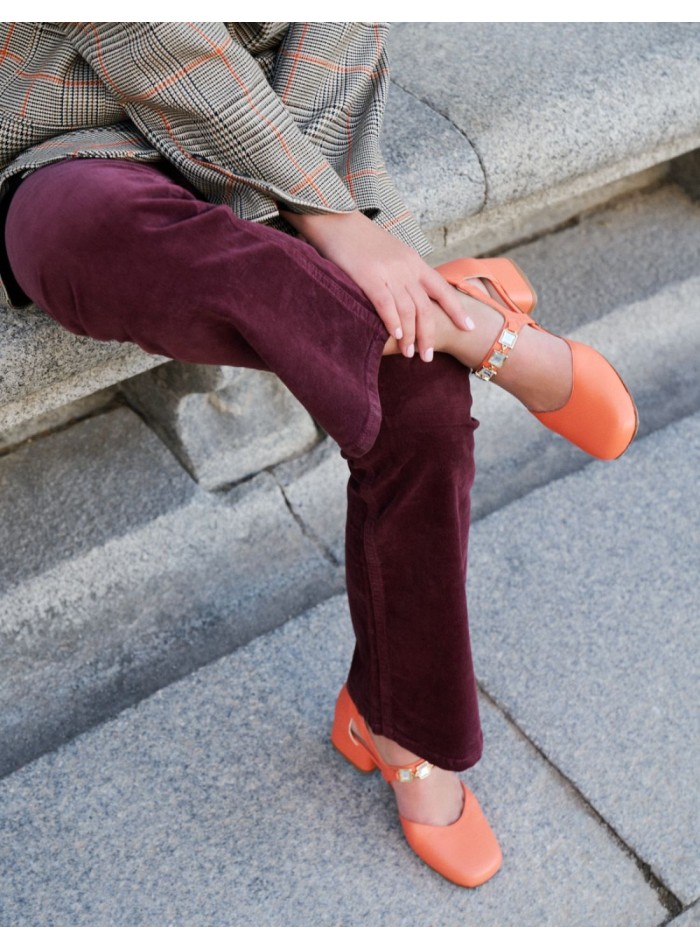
[
  {"x": 254, "y": 115},
  {"x": 203, "y": 101}
]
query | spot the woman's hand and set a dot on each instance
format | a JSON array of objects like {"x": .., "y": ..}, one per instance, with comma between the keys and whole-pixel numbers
[{"x": 397, "y": 281}]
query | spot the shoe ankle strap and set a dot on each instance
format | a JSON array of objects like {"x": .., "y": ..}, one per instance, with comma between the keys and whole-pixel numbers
[
  {"x": 409, "y": 773},
  {"x": 504, "y": 344},
  {"x": 419, "y": 769}
]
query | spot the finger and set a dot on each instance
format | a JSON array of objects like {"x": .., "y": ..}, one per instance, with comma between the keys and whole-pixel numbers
[
  {"x": 407, "y": 312},
  {"x": 383, "y": 302},
  {"x": 453, "y": 303},
  {"x": 425, "y": 328}
]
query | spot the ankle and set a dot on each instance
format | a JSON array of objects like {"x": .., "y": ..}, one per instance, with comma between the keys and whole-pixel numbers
[
  {"x": 539, "y": 372},
  {"x": 436, "y": 799},
  {"x": 391, "y": 751}
]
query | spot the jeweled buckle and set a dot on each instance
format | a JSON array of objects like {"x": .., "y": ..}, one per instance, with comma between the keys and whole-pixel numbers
[
  {"x": 420, "y": 771},
  {"x": 500, "y": 352},
  {"x": 485, "y": 373}
]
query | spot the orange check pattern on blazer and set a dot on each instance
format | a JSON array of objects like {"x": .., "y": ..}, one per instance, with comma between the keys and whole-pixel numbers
[{"x": 252, "y": 114}]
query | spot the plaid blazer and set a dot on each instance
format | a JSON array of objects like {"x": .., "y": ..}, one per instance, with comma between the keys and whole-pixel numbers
[{"x": 252, "y": 114}]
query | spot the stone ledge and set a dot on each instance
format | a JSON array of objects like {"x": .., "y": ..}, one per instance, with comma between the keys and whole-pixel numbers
[
  {"x": 434, "y": 166},
  {"x": 547, "y": 103},
  {"x": 43, "y": 367}
]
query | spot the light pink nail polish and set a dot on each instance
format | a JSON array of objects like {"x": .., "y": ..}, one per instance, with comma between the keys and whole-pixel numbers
[
  {"x": 469, "y": 323},
  {"x": 398, "y": 333},
  {"x": 410, "y": 351},
  {"x": 428, "y": 358}
]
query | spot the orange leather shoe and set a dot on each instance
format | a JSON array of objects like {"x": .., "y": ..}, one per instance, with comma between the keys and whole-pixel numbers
[
  {"x": 465, "y": 852},
  {"x": 600, "y": 416},
  {"x": 504, "y": 275}
]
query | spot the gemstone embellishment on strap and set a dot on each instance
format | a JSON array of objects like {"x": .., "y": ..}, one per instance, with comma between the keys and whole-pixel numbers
[
  {"x": 500, "y": 352},
  {"x": 422, "y": 770}
]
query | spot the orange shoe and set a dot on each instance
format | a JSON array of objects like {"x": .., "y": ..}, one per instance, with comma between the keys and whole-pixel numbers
[
  {"x": 504, "y": 275},
  {"x": 600, "y": 416},
  {"x": 465, "y": 852}
]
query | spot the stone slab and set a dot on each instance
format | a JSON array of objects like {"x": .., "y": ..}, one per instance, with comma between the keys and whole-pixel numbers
[
  {"x": 62, "y": 495},
  {"x": 617, "y": 256},
  {"x": 316, "y": 488},
  {"x": 42, "y": 366},
  {"x": 220, "y": 802},
  {"x": 584, "y": 608},
  {"x": 432, "y": 163},
  {"x": 547, "y": 103},
  {"x": 224, "y": 423},
  {"x": 689, "y": 918},
  {"x": 100, "y": 630}
]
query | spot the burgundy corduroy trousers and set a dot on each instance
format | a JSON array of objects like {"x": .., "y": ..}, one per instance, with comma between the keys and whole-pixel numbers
[{"x": 118, "y": 250}]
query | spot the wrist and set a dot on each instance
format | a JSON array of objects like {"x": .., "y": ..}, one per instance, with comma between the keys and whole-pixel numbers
[{"x": 316, "y": 227}]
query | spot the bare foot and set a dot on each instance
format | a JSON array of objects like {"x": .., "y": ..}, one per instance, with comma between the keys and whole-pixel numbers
[
  {"x": 538, "y": 371},
  {"x": 435, "y": 800}
]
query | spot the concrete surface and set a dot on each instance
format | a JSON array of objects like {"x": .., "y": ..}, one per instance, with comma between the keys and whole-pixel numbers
[
  {"x": 98, "y": 629},
  {"x": 223, "y": 423},
  {"x": 432, "y": 163},
  {"x": 315, "y": 487},
  {"x": 547, "y": 103},
  {"x": 614, "y": 257},
  {"x": 689, "y": 918},
  {"x": 584, "y": 607},
  {"x": 81, "y": 487},
  {"x": 497, "y": 230},
  {"x": 220, "y": 802},
  {"x": 42, "y": 366},
  {"x": 58, "y": 418}
]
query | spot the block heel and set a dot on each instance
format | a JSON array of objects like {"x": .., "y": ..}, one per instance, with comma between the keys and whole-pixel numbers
[{"x": 342, "y": 738}]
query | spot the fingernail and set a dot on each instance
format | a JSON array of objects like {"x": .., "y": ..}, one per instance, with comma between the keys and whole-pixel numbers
[
  {"x": 469, "y": 323},
  {"x": 428, "y": 356},
  {"x": 398, "y": 333},
  {"x": 410, "y": 351}
]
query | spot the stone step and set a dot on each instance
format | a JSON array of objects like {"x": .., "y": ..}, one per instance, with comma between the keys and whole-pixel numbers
[
  {"x": 119, "y": 574},
  {"x": 218, "y": 801},
  {"x": 551, "y": 112},
  {"x": 585, "y": 598}
]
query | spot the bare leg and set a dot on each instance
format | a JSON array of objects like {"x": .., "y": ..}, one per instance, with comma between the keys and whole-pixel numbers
[
  {"x": 435, "y": 800},
  {"x": 538, "y": 371}
]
